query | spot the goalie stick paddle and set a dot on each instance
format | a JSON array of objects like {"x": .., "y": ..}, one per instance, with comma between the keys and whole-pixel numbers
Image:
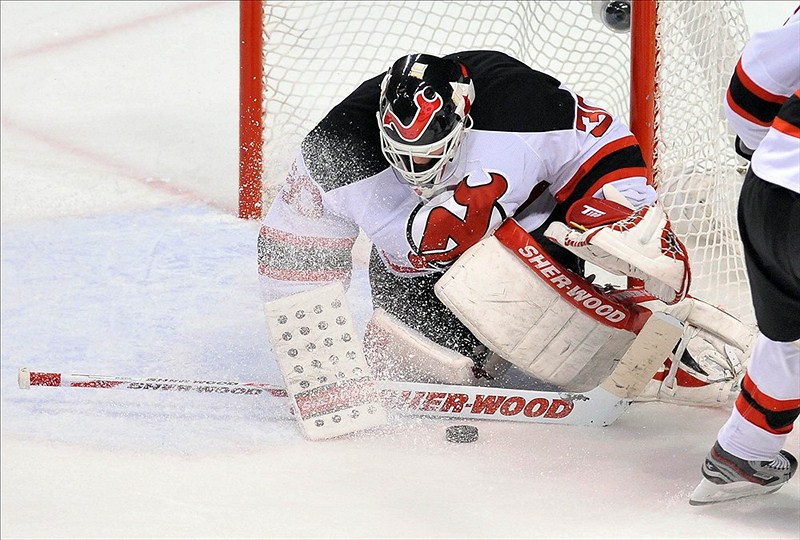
[{"x": 600, "y": 406}]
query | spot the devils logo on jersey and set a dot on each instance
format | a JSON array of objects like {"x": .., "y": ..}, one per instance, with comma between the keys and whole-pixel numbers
[
  {"x": 426, "y": 109},
  {"x": 440, "y": 235}
]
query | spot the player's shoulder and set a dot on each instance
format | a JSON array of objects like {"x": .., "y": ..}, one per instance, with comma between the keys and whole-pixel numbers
[
  {"x": 512, "y": 96},
  {"x": 344, "y": 147}
]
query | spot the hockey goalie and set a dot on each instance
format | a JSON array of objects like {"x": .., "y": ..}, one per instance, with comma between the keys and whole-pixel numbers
[
  {"x": 536, "y": 316},
  {"x": 484, "y": 187}
]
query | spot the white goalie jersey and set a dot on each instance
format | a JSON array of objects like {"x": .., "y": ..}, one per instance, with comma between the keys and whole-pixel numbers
[{"x": 522, "y": 157}]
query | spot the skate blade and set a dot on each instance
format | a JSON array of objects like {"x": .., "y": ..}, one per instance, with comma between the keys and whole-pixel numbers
[{"x": 709, "y": 493}]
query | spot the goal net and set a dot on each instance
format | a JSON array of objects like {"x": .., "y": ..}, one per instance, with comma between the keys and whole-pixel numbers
[{"x": 310, "y": 55}]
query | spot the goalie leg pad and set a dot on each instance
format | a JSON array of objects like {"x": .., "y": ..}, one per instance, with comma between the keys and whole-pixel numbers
[
  {"x": 686, "y": 386},
  {"x": 397, "y": 352},
  {"x": 322, "y": 362},
  {"x": 539, "y": 316},
  {"x": 717, "y": 347}
]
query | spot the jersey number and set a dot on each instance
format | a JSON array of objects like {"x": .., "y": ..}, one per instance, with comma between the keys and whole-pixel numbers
[{"x": 592, "y": 117}]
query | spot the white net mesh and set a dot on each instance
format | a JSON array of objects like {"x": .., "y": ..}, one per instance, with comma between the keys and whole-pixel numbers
[
  {"x": 695, "y": 164},
  {"x": 318, "y": 52}
]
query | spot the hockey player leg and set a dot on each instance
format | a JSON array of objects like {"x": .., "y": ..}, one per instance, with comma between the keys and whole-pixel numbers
[
  {"x": 747, "y": 458},
  {"x": 321, "y": 358}
]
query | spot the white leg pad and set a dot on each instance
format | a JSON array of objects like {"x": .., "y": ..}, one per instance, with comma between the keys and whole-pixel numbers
[
  {"x": 322, "y": 361},
  {"x": 719, "y": 343},
  {"x": 529, "y": 321},
  {"x": 397, "y": 352}
]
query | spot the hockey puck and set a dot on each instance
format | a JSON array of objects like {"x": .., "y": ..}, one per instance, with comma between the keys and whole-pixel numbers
[{"x": 462, "y": 434}]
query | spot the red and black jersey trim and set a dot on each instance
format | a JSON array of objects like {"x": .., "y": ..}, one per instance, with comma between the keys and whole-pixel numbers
[
  {"x": 290, "y": 257},
  {"x": 750, "y": 101},
  {"x": 617, "y": 160},
  {"x": 773, "y": 415},
  {"x": 788, "y": 119}
]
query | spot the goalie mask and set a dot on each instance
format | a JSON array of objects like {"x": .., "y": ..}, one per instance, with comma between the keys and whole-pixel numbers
[{"x": 423, "y": 115}]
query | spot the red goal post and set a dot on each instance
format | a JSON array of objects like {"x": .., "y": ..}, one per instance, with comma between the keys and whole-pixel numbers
[{"x": 667, "y": 76}]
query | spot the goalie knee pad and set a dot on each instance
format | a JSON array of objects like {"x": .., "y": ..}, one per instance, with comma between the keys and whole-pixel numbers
[{"x": 397, "y": 352}]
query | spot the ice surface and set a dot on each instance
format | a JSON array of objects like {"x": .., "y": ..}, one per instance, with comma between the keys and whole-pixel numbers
[{"x": 121, "y": 256}]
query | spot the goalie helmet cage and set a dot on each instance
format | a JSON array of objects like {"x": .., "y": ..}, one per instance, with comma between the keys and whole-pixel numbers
[{"x": 667, "y": 75}]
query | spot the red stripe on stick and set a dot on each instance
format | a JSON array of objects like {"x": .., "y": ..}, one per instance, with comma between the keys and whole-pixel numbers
[{"x": 39, "y": 378}]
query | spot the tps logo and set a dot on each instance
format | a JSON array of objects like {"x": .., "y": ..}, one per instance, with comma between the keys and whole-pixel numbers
[
  {"x": 590, "y": 211},
  {"x": 426, "y": 108}
]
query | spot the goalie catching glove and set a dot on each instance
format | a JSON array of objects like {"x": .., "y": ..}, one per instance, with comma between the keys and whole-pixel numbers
[{"x": 636, "y": 243}]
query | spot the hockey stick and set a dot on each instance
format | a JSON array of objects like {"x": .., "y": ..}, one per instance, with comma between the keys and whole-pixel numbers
[
  {"x": 415, "y": 398},
  {"x": 600, "y": 406},
  {"x": 27, "y": 378}
]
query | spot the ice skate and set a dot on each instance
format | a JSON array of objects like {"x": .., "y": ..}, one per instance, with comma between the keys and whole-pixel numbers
[{"x": 727, "y": 477}]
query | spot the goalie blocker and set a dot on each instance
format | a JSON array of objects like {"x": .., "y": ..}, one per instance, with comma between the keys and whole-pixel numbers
[{"x": 535, "y": 313}]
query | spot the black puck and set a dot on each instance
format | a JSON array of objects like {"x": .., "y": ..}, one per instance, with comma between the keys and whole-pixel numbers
[{"x": 462, "y": 434}]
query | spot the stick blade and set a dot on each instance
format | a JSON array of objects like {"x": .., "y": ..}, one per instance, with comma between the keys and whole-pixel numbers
[{"x": 648, "y": 351}]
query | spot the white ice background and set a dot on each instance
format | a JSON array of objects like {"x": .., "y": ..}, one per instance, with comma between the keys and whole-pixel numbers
[{"x": 122, "y": 255}]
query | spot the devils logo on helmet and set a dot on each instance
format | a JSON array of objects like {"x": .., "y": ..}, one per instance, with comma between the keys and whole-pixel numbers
[{"x": 422, "y": 119}]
